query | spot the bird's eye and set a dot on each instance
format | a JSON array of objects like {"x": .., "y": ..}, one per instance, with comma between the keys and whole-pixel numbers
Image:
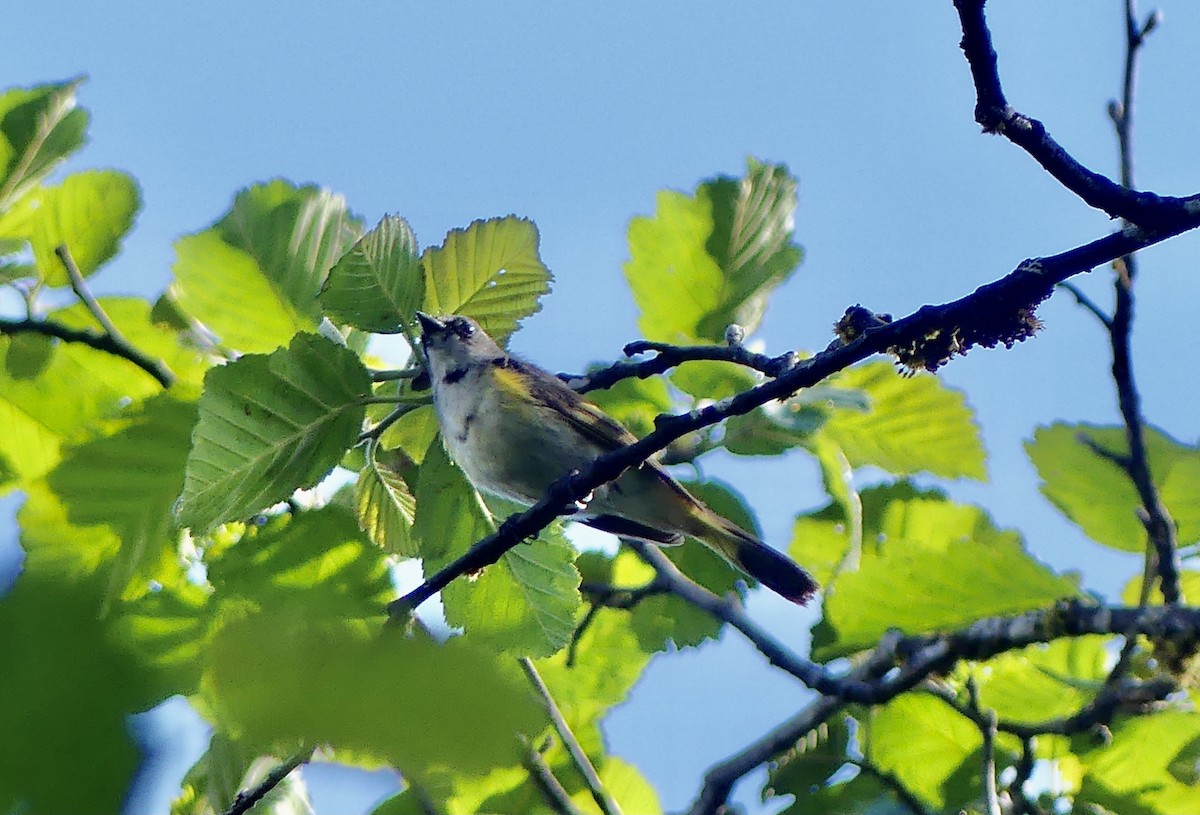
[{"x": 462, "y": 328}]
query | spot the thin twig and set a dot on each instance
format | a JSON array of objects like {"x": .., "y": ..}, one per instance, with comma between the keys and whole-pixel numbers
[
  {"x": 1160, "y": 528},
  {"x": 603, "y": 595},
  {"x": 125, "y": 348},
  {"x": 1021, "y": 805},
  {"x": 553, "y": 792},
  {"x": 1088, "y": 303},
  {"x": 248, "y": 798},
  {"x": 603, "y": 800},
  {"x": 668, "y": 356},
  {"x": 986, "y": 721}
]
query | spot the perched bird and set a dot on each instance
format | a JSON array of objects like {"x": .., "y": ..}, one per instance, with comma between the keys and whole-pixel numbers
[{"x": 514, "y": 429}]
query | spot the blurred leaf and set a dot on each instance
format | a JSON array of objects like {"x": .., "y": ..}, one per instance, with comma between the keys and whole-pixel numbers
[
  {"x": 609, "y": 660},
  {"x": 54, "y": 546},
  {"x": 1043, "y": 681},
  {"x": 253, "y": 277},
  {"x": 708, "y": 260},
  {"x": 89, "y": 212},
  {"x": 386, "y": 507},
  {"x": 28, "y": 355},
  {"x": 923, "y": 743},
  {"x": 1189, "y": 586},
  {"x": 67, "y": 687},
  {"x": 1137, "y": 770},
  {"x": 913, "y": 424},
  {"x": 917, "y": 552},
  {"x": 39, "y": 127},
  {"x": 773, "y": 429},
  {"x": 808, "y": 767},
  {"x": 275, "y": 679},
  {"x": 378, "y": 284},
  {"x": 316, "y": 563},
  {"x": 166, "y": 629},
  {"x": 490, "y": 271},
  {"x": 129, "y": 481},
  {"x": 270, "y": 425},
  {"x": 1096, "y": 493},
  {"x": 708, "y": 379}
]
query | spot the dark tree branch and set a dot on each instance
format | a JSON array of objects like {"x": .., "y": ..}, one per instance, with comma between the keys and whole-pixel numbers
[
  {"x": 1160, "y": 528},
  {"x": 997, "y": 313},
  {"x": 1088, "y": 303},
  {"x": 92, "y": 339},
  {"x": 995, "y": 115},
  {"x": 248, "y": 798}
]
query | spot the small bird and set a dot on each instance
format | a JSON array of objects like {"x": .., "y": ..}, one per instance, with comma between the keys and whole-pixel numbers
[{"x": 514, "y": 429}]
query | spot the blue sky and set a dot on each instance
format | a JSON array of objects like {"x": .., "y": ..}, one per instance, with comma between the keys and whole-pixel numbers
[{"x": 576, "y": 114}]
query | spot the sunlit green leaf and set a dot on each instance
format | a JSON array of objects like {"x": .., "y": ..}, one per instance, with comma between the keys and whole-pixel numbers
[
  {"x": 705, "y": 261},
  {"x": 128, "y": 482},
  {"x": 316, "y": 560},
  {"x": 924, "y": 743},
  {"x": 39, "y": 127},
  {"x": 917, "y": 552},
  {"x": 450, "y": 516},
  {"x": 1043, "y": 682},
  {"x": 253, "y": 277},
  {"x": 634, "y": 402},
  {"x": 490, "y": 271},
  {"x": 1136, "y": 770},
  {"x": 270, "y": 425},
  {"x": 914, "y": 424},
  {"x": 1097, "y": 494},
  {"x": 708, "y": 379},
  {"x": 386, "y": 507},
  {"x": 277, "y": 679},
  {"x": 378, "y": 284},
  {"x": 89, "y": 213}
]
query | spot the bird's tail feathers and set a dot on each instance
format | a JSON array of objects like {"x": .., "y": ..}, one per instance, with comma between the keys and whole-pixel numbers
[{"x": 768, "y": 566}]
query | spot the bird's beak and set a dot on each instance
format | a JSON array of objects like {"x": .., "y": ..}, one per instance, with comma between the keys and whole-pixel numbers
[{"x": 429, "y": 325}]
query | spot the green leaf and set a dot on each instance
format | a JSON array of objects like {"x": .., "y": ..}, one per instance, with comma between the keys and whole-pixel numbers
[
  {"x": 89, "y": 213},
  {"x": 28, "y": 355},
  {"x": 913, "y": 424},
  {"x": 1099, "y": 496},
  {"x": 129, "y": 481},
  {"x": 412, "y": 433},
  {"x": 278, "y": 680},
  {"x": 254, "y": 276},
  {"x": 923, "y": 743},
  {"x": 708, "y": 260},
  {"x": 809, "y": 766},
  {"x": 709, "y": 379},
  {"x": 315, "y": 562},
  {"x": 524, "y": 604},
  {"x": 774, "y": 428},
  {"x": 633, "y": 402},
  {"x": 919, "y": 551},
  {"x": 609, "y": 660},
  {"x": 490, "y": 271},
  {"x": 1044, "y": 681},
  {"x": 1137, "y": 771},
  {"x": 668, "y": 619},
  {"x": 752, "y": 242},
  {"x": 386, "y": 507},
  {"x": 167, "y": 630},
  {"x": 270, "y": 425},
  {"x": 54, "y": 546},
  {"x": 450, "y": 516},
  {"x": 378, "y": 284},
  {"x": 67, "y": 687},
  {"x": 39, "y": 128},
  {"x": 1189, "y": 586}
]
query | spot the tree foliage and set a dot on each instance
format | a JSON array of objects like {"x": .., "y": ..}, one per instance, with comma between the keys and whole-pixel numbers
[{"x": 229, "y": 537}]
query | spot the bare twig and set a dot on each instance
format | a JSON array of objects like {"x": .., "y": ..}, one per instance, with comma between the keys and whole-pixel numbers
[
  {"x": 606, "y": 802},
  {"x": 986, "y": 721},
  {"x": 92, "y": 339},
  {"x": 668, "y": 356},
  {"x": 553, "y": 793},
  {"x": 248, "y": 798},
  {"x": 1021, "y": 805},
  {"x": 118, "y": 344},
  {"x": 607, "y": 596},
  {"x": 1088, "y": 303},
  {"x": 993, "y": 112}
]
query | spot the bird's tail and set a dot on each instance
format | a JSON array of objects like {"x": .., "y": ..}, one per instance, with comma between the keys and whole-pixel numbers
[{"x": 773, "y": 569}]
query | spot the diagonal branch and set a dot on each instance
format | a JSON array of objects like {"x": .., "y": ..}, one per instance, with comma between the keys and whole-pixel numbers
[
  {"x": 997, "y": 313},
  {"x": 92, "y": 339},
  {"x": 993, "y": 112}
]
